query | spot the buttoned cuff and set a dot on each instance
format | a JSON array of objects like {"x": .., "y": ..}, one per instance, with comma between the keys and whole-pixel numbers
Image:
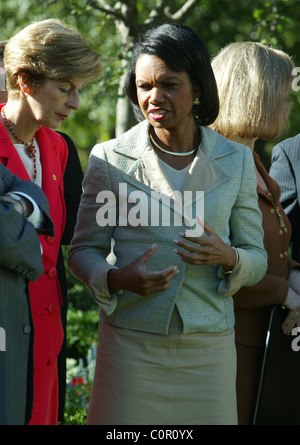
[
  {"x": 99, "y": 287},
  {"x": 36, "y": 218},
  {"x": 231, "y": 283}
]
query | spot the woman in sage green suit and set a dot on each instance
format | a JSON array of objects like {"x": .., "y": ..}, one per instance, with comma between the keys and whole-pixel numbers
[{"x": 166, "y": 351}]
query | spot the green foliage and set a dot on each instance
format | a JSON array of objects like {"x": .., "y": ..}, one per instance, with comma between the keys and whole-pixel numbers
[
  {"x": 75, "y": 415},
  {"x": 79, "y": 384},
  {"x": 82, "y": 331},
  {"x": 82, "y": 337}
]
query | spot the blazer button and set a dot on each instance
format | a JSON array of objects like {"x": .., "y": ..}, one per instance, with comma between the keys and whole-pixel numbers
[
  {"x": 51, "y": 308},
  {"x": 27, "y": 329},
  {"x": 52, "y": 272},
  {"x": 281, "y": 256},
  {"x": 50, "y": 239}
]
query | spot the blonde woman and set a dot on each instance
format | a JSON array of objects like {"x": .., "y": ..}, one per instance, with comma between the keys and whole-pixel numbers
[
  {"x": 46, "y": 64},
  {"x": 253, "y": 83}
]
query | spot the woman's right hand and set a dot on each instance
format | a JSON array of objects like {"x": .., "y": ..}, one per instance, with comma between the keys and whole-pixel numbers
[
  {"x": 136, "y": 278},
  {"x": 292, "y": 303}
]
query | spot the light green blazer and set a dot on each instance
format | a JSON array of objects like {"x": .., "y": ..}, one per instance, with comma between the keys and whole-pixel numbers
[{"x": 224, "y": 171}]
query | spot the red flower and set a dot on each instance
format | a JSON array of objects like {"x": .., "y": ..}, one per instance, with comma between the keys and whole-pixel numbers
[{"x": 78, "y": 381}]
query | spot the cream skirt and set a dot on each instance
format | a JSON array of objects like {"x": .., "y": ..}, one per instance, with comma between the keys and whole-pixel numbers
[{"x": 151, "y": 379}]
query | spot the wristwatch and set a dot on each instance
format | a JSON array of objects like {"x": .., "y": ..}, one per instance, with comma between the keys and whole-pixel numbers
[{"x": 20, "y": 200}]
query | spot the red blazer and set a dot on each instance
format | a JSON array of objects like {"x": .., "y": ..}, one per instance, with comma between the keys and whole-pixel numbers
[{"x": 45, "y": 292}]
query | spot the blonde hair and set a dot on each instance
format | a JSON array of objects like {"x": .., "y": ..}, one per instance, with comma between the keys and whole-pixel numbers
[
  {"x": 49, "y": 50},
  {"x": 253, "y": 83}
]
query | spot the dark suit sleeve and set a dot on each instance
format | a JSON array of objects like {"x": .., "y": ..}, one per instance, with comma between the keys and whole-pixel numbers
[
  {"x": 37, "y": 194},
  {"x": 20, "y": 249},
  {"x": 285, "y": 170},
  {"x": 282, "y": 171}
]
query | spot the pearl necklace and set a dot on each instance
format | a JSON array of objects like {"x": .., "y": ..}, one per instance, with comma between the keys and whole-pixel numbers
[
  {"x": 173, "y": 153},
  {"x": 29, "y": 146}
]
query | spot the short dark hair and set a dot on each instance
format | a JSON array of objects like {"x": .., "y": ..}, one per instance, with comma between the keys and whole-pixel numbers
[{"x": 182, "y": 50}]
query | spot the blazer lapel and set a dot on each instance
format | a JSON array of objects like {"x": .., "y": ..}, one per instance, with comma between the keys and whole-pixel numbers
[
  {"x": 49, "y": 162},
  {"x": 10, "y": 157},
  {"x": 206, "y": 173},
  {"x": 148, "y": 175},
  {"x": 145, "y": 172},
  {"x": 269, "y": 181},
  {"x": 51, "y": 169}
]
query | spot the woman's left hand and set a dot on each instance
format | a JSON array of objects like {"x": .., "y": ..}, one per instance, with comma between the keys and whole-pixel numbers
[{"x": 209, "y": 250}]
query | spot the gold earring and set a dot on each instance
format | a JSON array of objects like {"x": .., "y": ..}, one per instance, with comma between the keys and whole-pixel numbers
[
  {"x": 196, "y": 101},
  {"x": 26, "y": 91}
]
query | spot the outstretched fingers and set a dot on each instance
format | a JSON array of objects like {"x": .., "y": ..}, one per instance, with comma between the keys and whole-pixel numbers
[
  {"x": 150, "y": 282},
  {"x": 158, "y": 281}
]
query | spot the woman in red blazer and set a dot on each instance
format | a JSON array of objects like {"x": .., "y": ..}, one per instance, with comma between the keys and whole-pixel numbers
[{"x": 40, "y": 96}]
